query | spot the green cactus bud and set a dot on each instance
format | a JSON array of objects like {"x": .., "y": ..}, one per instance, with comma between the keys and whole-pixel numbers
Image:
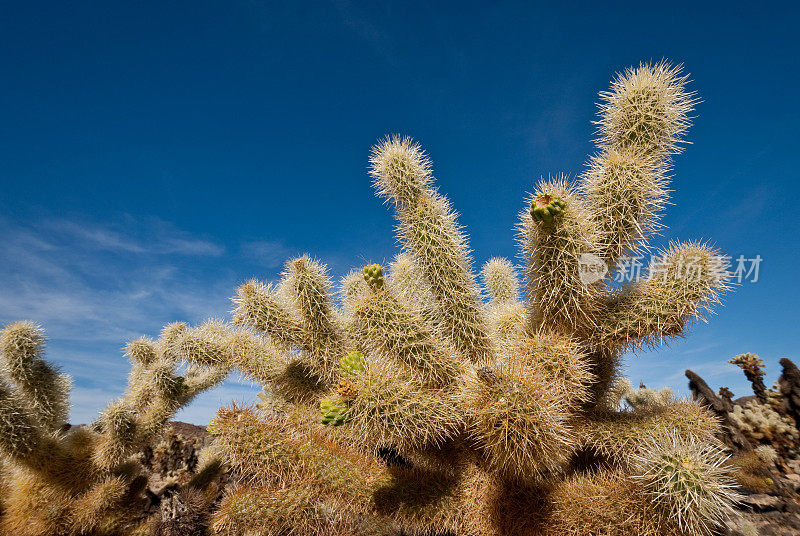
[
  {"x": 352, "y": 363},
  {"x": 373, "y": 275},
  {"x": 212, "y": 427},
  {"x": 545, "y": 207},
  {"x": 333, "y": 410}
]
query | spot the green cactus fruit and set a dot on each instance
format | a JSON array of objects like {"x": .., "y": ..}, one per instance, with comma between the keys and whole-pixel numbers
[
  {"x": 373, "y": 275},
  {"x": 545, "y": 207},
  {"x": 213, "y": 427},
  {"x": 333, "y": 410},
  {"x": 352, "y": 364}
]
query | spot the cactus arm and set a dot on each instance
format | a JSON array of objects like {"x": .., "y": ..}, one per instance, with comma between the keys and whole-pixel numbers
[
  {"x": 430, "y": 232},
  {"x": 558, "y": 298},
  {"x": 37, "y": 381},
  {"x": 408, "y": 283},
  {"x": 684, "y": 284},
  {"x": 626, "y": 193},
  {"x": 142, "y": 353},
  {"x": 517, "y": 420},
  {"x": 618, "y": 436},
  {"x": 647, "y": 110},
  {"x": 217, "y": 346},
  {"x": 397, "y": 332},
  {"x": 199, "y": 379},
  {"x": 559, "y": 360},
  {"x": 500, "y": 281},
  {"x": 591, "y": 503},
  {"x": 306, "y": 285},
  {"x": 392, "y": 408},
  {"x": 260, "y": 306},
  {"x": 91, "y": 510},
  {"x": 643, "y": 120},
  {"x": 261, "y": 451},
  {"x": 22, "y": 436},
  {"x": 264, "y": 510},
  {"x": 686, "y": 482}
]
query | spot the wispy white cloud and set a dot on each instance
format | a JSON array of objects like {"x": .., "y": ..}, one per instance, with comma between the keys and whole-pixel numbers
[
  {"x": 94, "y": 286},
  {"x": 267, "y": 253},
  {"x": 701, "y": 348},
  {"x": 142, "y": 236}
]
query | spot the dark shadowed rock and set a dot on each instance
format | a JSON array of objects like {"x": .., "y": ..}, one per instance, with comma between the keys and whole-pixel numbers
[
  {"x": 732, "y": 436},
  {"x": 789, "y": 384}
]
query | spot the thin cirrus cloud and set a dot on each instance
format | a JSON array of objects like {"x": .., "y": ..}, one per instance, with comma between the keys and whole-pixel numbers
[
  {"x": 93, "y": 286},
  {"x": 270, "y": 254},
  {"x": 152, "y": 236}
]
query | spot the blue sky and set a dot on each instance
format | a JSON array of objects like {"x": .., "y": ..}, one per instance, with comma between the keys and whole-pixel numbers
[{"x": 156, "y": 154}]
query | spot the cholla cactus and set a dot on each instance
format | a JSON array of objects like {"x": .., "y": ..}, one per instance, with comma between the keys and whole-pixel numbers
[
  {"x": 481, "y": 418},
  {"x": 760, "y": 422},
  {"x": 644, "y": 397},
  {"x": 753, "y": 369},
  {"x": 62, "y": 480}
]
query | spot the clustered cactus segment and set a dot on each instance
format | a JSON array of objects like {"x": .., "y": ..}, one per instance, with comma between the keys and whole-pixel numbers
[
  {"x": 497, "y": 418},
  {"x": 687, "y": 481},
  {"x": 519, "y": 422},
  {"x": 647, "y": 110},
  {"x": 545, "y": 207},
  {"x": 74, "y": 481}
]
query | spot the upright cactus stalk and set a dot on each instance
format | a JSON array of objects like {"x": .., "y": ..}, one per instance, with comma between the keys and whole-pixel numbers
[
  {"x": 429, "y": 229},
  {"x": 35, "y": 380},
  {"x": 753, "y": 369}
]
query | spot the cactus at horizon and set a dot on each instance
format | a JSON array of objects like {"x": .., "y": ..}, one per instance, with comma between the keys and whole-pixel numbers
[{"x": 412, "y": 405}]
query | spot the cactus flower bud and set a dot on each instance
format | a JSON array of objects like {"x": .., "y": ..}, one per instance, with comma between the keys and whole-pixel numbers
[{"x": 373, "y": 275}]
